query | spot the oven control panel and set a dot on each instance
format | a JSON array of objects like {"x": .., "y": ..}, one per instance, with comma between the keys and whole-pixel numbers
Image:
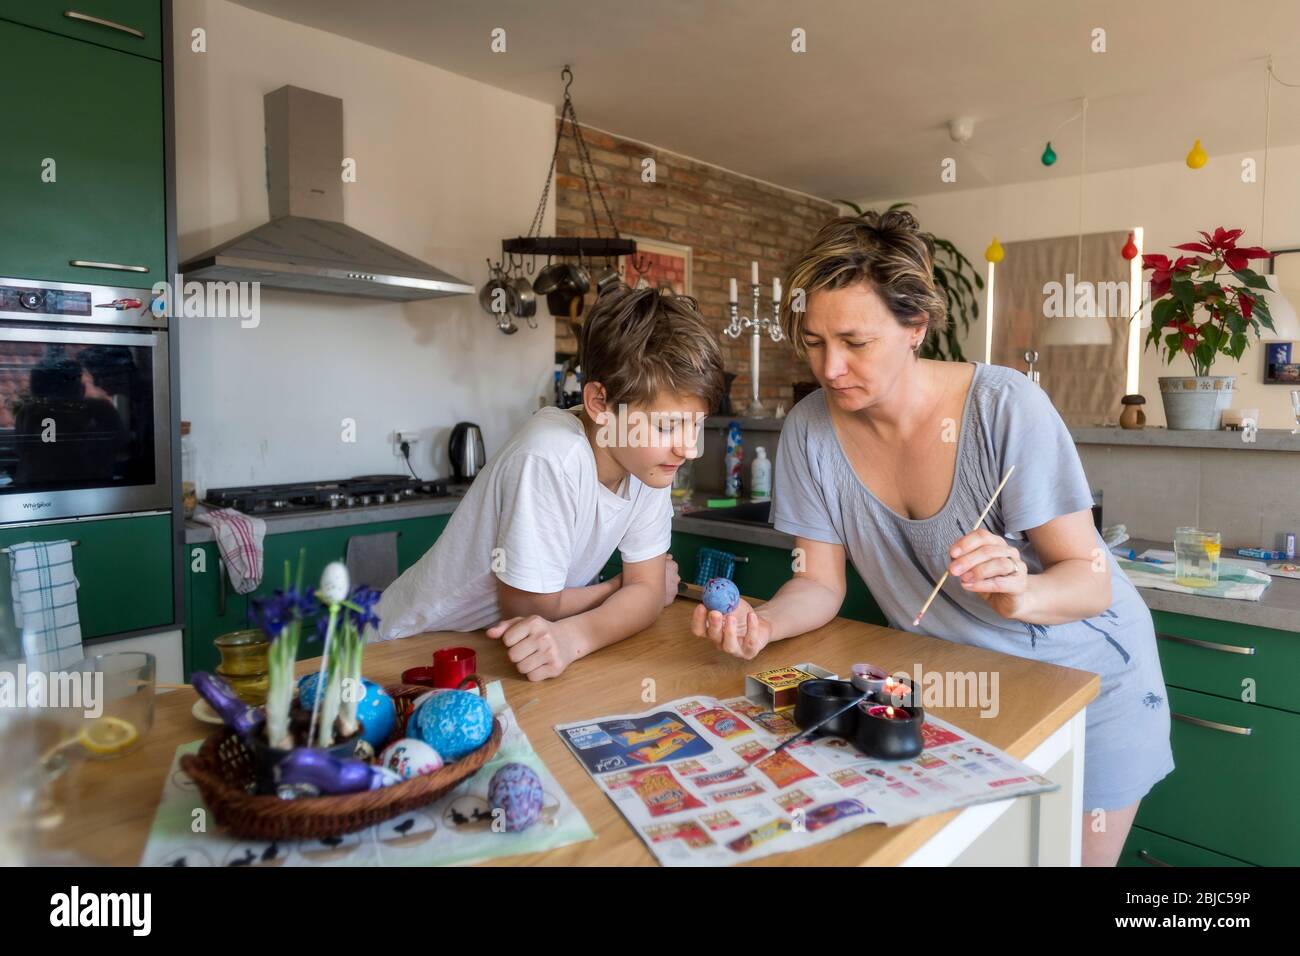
[{"x": 65, "y": 302}]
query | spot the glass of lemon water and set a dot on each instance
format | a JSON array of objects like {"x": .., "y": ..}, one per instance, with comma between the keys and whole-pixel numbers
[
  {"x": 117, "y": 702},
  {"x": 1196, "y": 557}
]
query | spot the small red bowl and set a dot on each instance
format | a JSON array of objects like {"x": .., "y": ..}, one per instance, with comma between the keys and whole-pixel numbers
[{"x": 420, "y": 676}]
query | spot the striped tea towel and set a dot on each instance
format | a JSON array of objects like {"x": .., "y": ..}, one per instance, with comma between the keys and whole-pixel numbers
[
  {"x": 45, "y": 603},
  {"x": 239, "y": 539},
  {"x": 1242, "y": 584}
]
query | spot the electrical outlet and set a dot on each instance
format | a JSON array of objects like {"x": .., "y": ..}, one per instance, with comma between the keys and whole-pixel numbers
[{"x": 411, "y": 439}]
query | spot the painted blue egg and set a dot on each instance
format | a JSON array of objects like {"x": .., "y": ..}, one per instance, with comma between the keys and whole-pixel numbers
[
  {"x": 454, "y": 724},
  {"x": 722, "y": 595},
  {"x": 516, "y": 791},
  {"x": 375, "y": 710}
]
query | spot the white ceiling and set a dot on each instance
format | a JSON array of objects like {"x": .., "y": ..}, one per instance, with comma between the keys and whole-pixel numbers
[{"x": 863, "y": 114}]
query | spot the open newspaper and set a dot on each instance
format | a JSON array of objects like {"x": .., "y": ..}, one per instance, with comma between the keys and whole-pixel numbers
[{"x": 699, "y": 782}]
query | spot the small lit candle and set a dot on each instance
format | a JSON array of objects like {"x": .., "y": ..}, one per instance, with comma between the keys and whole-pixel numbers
[
  {"x": 732, "y": 294},
  {"x": 753, "y": 272},
  {"x": 886, "y": 712}
]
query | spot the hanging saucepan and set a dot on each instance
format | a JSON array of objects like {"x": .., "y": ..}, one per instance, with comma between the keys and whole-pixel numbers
[
  {"x": 525, "y": 299},
  {"x": 564, "y": 302},
  {"x": 576, "y": 278},
  {"x": 549, "y": 277},
  {"x": 488, "y": 295},
  {"x": 606, "y": 279}
]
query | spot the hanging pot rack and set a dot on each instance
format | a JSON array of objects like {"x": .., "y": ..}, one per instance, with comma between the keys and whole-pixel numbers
[{"x": 518, "y": 255}]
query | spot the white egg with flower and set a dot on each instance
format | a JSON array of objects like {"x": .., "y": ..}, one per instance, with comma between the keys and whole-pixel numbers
[{"x": 334, "y": 583}]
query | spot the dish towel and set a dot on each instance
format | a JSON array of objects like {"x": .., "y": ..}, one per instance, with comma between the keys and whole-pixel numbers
[
  {"x": 1242, "y": 584},
  {"x": 372, "y": 559},
  {"x": 239, "y": 539},
  {"x": 45, "y": 603}
]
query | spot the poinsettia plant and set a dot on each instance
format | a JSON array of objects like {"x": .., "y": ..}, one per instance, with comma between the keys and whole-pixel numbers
[{"x": 1215, "y": 284}]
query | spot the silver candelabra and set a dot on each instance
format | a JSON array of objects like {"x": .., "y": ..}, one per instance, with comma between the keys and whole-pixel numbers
[{"x": 771, "y": 325}]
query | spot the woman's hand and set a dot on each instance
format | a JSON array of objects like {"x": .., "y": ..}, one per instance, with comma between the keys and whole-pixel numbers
[
  {"x": 742, "y": 633},
  {"x": 985, "y": 564}
]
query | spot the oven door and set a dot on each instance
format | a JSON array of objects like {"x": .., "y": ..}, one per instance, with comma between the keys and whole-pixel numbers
[{"x": 84, "y": 422}]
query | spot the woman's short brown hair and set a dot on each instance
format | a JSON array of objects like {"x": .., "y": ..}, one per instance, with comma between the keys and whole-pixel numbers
[
  {"x": 887, "y": 251},
  {"x": 637, "y": 342}
]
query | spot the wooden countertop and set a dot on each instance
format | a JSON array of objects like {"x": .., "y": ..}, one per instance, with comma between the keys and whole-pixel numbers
[{"x": 111, "y": 803}]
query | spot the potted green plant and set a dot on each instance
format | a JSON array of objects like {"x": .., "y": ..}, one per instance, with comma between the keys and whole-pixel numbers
[{"x": 1216, "y": 285}]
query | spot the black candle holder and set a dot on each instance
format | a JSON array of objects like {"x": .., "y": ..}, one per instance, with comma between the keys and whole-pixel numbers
[
  {"x": 819, "y": 699},
  {"x": 896, "y": 737}
]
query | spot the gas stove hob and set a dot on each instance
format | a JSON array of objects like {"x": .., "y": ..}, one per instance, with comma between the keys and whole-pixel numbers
[{"x": 296, "y": 497}]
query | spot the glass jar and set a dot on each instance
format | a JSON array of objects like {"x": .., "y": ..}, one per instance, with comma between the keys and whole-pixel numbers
[
  {"x": 684, "y": 480},
  {"x": 189, "y": 482}
]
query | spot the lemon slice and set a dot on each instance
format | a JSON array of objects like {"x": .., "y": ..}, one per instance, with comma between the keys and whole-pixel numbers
[
  {"x": 108, "y": 735},
  {"x": 1213, "y": 549}
]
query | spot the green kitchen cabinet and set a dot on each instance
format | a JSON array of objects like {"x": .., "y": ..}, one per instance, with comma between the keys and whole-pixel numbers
[
  {"x": 81, "y": 172},
  {"x": 132, "y": 26},
  {"x": 123, "y": 567},
  {"x": 1234, "y": 695},
  {"x": 768, "y": 568},
  {"x": 214, "y": 608},
  {"x": 1147, "y": 848}
]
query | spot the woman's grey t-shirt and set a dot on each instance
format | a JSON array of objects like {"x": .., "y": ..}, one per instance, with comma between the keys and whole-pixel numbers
[{"x": 1007, "y": 420}]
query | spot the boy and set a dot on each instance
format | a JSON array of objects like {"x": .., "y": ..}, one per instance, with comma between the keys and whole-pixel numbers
[{"x": 545, "y": 514}]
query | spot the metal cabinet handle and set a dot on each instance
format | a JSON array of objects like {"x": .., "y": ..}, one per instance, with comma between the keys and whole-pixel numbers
[
  {"x": 1146, "y": 857},
  {"x": 1212, "y": 725},
  {"x": 71, "y": 544},
  {"x": 91, "y": 264},
  {"x": 101, "y": 22},
  {"x": 221, "y": 588},
  {"x": 1208, "y": 645}
]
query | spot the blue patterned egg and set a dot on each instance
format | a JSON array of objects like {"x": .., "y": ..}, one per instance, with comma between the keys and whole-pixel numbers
[
  {"x": 454, "y": 724},
  {"x": 516, "y": 791},
  {"x": 721, "y": 595},
  {"x": 375, "y": 710}
]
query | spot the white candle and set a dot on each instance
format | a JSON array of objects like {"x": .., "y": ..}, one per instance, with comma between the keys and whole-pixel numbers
[
  {"x": 753, "y": 272},
  {"x": 776, "y": 289},
  {"x": 732, "y": 297}
]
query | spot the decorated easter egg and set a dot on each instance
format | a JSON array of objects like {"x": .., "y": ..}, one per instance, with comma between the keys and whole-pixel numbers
[
  {"x": 516, "y": 791},
  {"x": 722, "y": 595},
  {"x": 334, "y": 582},
  {"x": 375, "y": 709},
  {"x": 454, "y": 723},
  {"x": 409, "y": 758}
]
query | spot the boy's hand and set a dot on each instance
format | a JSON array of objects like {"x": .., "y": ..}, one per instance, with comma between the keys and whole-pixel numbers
[
  {"x": 743, "y": 640},
  {"x": 538, "y": 648},
  {"x": 671, "y": 581}
]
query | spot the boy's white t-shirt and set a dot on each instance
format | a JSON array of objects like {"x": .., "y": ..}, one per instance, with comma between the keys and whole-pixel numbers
[{"x": 537, "y": 518}]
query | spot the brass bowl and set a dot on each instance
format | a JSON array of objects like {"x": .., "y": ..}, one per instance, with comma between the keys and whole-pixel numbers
[{"x": 243, "y": 653}]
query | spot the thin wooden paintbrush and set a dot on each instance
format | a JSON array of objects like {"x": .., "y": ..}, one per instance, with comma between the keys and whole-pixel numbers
[{"x": 978, "y": 521}]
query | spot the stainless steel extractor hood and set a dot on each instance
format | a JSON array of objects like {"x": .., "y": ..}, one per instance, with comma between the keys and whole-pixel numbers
[{"x": 306, "y": 246}]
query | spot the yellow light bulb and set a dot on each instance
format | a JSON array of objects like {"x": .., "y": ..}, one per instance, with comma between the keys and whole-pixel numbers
[
  {"x": 995, "y": 253},
  {"x": 1197, "y": 157}
]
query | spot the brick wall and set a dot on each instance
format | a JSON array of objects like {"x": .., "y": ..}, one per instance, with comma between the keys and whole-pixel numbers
[{"x": 727, "y": 219}]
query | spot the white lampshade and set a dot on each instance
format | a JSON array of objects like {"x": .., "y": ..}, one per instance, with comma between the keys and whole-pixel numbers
[
  {"x": 1286, "y": 326},
  {"x": 1074, "y": 331}
]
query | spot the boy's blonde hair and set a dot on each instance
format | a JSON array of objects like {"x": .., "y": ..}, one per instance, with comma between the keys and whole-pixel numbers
[
  {"x": 637, "y": 342},
  {"x": 886, "y": 251}
]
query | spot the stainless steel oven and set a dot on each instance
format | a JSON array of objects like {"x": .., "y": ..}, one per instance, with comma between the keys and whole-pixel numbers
[{"x": 84, "y": 406}]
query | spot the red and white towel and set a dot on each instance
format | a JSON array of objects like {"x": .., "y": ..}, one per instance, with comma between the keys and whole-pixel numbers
[{"x": 239, "y": 539}]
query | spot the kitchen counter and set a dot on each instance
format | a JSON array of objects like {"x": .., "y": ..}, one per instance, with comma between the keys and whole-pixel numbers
[
  {"x": 1266, "y": 439},
  {"x": 111, "y": 803},
  {"x": 196, "y": 533}
]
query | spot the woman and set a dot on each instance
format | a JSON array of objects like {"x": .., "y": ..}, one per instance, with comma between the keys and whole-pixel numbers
[{"x": 891, "y": 463}]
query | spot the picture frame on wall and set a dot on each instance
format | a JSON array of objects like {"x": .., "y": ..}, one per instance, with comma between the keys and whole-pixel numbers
[
  {"x": 1282, "y": 359},
  {"x": 665, "y": 264}
]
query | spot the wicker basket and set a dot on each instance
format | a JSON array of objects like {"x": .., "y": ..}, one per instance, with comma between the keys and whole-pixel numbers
[{"x": 224, "y": 768}]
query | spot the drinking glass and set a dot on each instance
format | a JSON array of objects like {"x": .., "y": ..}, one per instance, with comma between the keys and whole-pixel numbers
[{"x": 1196, "y": 557}]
